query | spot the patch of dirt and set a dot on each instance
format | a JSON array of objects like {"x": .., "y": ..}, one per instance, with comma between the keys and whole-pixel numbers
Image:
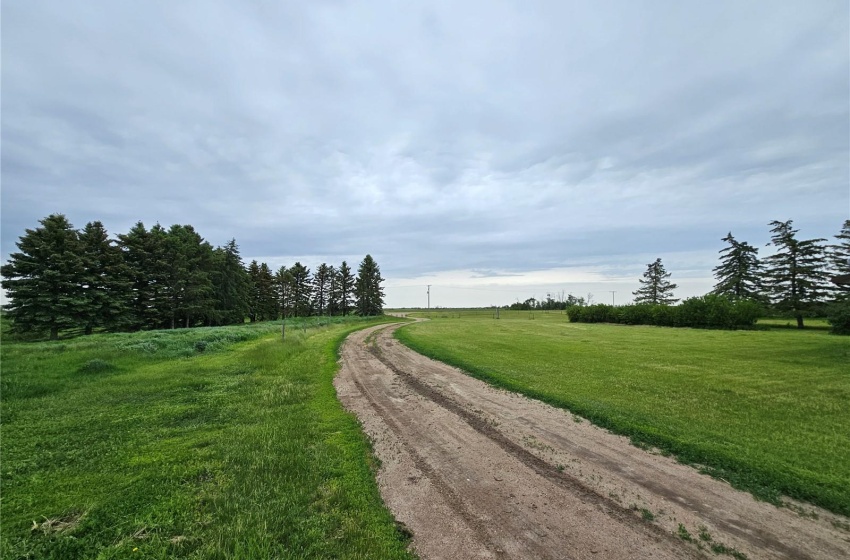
[{"x": 477, "y": 472}]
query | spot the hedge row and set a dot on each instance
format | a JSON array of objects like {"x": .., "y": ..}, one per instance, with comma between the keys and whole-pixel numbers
[{"x": 705, "y": 312}]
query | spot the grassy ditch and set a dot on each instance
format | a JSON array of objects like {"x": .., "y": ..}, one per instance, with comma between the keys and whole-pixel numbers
[
  {"x": 202, "y": 443},
  {"x": 764, "y": 410}
]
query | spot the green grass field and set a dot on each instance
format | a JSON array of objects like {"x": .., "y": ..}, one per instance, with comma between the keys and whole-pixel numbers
[
  {"x": 201, "y": 443},
  {"x": 767, "y": 410}
]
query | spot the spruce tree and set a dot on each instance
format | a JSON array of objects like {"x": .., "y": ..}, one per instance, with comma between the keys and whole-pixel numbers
[
  {"x": 268, "y": 294},
  {"x": 738, "y": 274},
  {"x": 254, "y": 300},
  {"x": 367, "y": 289},
  {"x": 345, "y": 288},
  {"x": 145, "y": 257},
  {"x": 285, "y": 288},
  {"x": 42, "y": 281},
  {"x": 839, "y": 261},
  {"x": 795, "y": 276},
  {"x": 321, "y": 288},
  {"x": 301, "y": 290},
  {"x": 655, "y": 288},
  {"x": 333, "y": 292},
  {"x": 189, "y": 287},
  {"x": 230, "y": 285},
  {"x": 105, "y": 279}
]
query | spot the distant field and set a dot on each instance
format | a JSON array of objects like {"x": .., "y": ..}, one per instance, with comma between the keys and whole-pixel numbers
[
  {"x": 201, "y": 443},
  {"x": 765, "y": 409}
]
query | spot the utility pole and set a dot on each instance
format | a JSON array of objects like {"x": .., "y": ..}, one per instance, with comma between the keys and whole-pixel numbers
[
  {"x": 429, "y": 298},
  {"x": 612, "y": 295}
]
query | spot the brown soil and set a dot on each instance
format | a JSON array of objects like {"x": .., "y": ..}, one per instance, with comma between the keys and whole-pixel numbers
[{"x": 478, "y": 472}]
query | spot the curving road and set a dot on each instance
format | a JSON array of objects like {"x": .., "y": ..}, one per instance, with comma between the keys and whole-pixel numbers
[{"x": 477, "y": 472}]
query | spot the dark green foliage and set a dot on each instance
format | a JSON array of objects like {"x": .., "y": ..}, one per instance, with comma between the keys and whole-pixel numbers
[
  {"x": 706, "y": 312},
  {"x": 68, "y": 282},
  {"x": 795, "y": 276},
  {"x": 301, "y": 290},
  {"x": 189, "y": 285},
  {"x": 839, "y": 261},
  {"x": 43, "y": 280},
  {"x": 344, "y": 296},
  {"x": 146, "y": 261},
  {"x": 839, "y": 317},
  {"x": 367, "y": 289},
  {"x": 738, "y": 274},
  {"x": 655, "y": 286},
  {"x": 321, "y": 288},
  {"x": 231, "y": 286},
  {"x": 106, "y": 281},
  {"x": 285, "y": 286}
]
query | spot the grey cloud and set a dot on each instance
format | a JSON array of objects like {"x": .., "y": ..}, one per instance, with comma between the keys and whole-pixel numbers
[{"x": 489, "y": 136}]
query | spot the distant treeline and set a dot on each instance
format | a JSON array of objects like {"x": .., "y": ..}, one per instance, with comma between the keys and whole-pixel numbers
[
  {"x": 78, "y": 281},
  {"x": 803, "y": 277}
]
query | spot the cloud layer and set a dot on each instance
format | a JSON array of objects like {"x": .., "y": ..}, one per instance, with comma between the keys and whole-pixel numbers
[{"x": 475, "y": 136}]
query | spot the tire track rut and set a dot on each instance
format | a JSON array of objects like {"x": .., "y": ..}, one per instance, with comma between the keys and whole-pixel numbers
[{"x": 477, "y": 472}]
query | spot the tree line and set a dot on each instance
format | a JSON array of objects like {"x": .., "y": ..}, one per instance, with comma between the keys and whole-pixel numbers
[
  {"x": 78, "y": 281},
  {"x": 802, "y": 276}
]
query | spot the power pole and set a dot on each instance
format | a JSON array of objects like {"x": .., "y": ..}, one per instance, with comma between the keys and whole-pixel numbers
[
  {"x": 612, "y": 296},
  {"x": 429, "y": 298}
]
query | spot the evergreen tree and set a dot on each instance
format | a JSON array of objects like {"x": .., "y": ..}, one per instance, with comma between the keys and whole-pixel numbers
[
  {"x": 268, "y": 294},
  {"x": 285, "y": 288},
  {"x": 334, "y": 307},
  {"x": 42, "y": 281},
  {"x": 655, "y": 288},
  {"x": 189, "y": 287},
  {"x": 254, "y": 300},
  {"x": 105, "y": 280},
  {"x": 738, "y": 274},
  {"x": 839, "y": 261},
  {"x": 368, "y": 291},
  {"x": 145, "y": 258},
  {"x": 301, "y": 290},
  {"x": 795, "y": 276},
  {"x": 231, "y": 286},
  {"x": 344, "y": 289},
  {"x": 321, "y": 288}
]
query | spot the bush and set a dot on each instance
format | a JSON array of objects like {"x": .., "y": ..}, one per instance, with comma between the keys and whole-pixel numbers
[
  {"x": 838, "y": 316},
  {"x": 706, "y": 312}
]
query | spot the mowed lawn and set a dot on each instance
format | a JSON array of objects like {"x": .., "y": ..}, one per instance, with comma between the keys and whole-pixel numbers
[
  {"x": 202, "y": 443},
  {"x": 768, "y": 410}
]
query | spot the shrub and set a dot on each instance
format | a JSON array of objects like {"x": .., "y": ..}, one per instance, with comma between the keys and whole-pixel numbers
[
  {"x": 706, "y": 312},
  {"x": 838, "y": 316}
]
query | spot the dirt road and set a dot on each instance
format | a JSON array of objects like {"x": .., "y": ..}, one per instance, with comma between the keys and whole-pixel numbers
[{"x": 477, "y": 472}]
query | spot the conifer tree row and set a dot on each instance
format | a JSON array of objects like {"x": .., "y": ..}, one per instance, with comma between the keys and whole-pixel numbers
[{"x": 77, "y": 282}]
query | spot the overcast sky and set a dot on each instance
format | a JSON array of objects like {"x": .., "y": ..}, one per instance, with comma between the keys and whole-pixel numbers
[{"x": 495, "y": 150}]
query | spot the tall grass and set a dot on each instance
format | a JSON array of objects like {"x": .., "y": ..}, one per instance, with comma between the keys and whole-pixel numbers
[
  {"x": 766, "y": 410},
  {"x": 152, "y": 445}
]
